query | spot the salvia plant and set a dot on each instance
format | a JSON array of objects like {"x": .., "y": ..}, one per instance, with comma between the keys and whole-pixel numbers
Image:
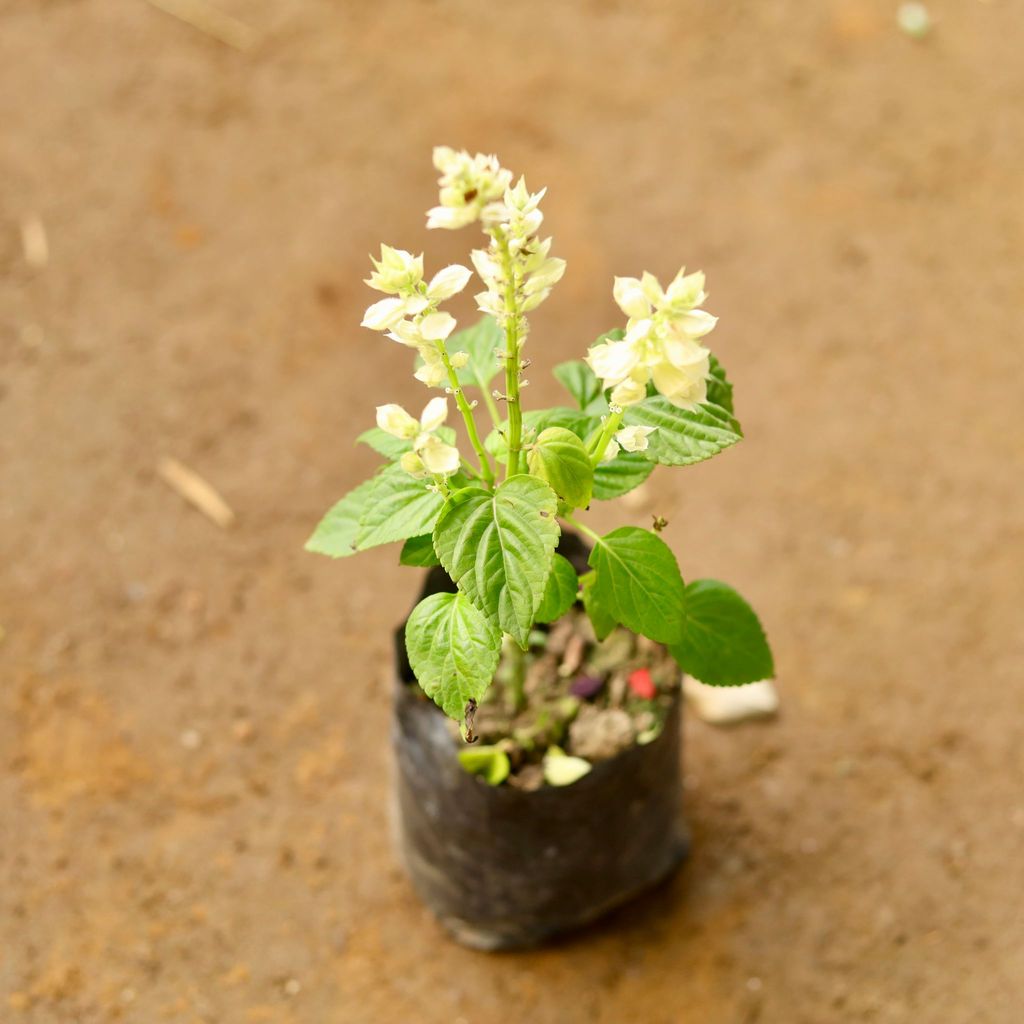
[{"x": 647, "y": 393}]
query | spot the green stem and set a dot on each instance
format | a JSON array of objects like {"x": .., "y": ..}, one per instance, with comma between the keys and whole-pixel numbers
[
  {"x": 515, "y": 414},
  {"x": 517, "y": 678},
  {"x": 595, "y": 537},
  {"x": 492, "y": 406},
  {"x": 467, "y": 415},
  {"x": 610, "y": 426}
]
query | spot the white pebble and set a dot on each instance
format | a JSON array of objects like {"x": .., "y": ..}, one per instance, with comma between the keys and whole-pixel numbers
[
  {"x": 914, "y": 19},
  {"x": 190, "y": 739},
  {"x": 724, "y": 705}
]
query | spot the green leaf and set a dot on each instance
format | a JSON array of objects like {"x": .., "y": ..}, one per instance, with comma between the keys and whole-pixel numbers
[
  {"x": 335, "y": 535},
  {"x": 498, "y": 548},
  {"x": 621, "y": 475},
  {"x": 637, "y": 583},
  {"x": 394, "y": 448},
  {"x": 490, "y": 762},
  {"x": 582, "y": 383},
  {"x": 453, "y": 651},
  {"x": 481, "y": 341},
  {"x": 683, "y": 436},
  {"x": 723, "y": 643},
  {"x": 419, "y": 551},
  {"x": 400, "y": 507},
  {"x": 719, "y": 388},
  {"x": 561, "y": 769},
  {"x": 558, "y": 456},
  {"x": 560, "y": 592},
  {"x": 602, "y": 622}
]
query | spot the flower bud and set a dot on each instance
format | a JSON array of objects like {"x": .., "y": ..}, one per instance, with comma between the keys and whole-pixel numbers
[
  {"x": 413, "y": 465},
  {"x": 397, "y": 271}
]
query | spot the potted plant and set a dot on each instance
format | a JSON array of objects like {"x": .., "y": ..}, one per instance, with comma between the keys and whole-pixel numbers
[{"x": 537, "y": 707}]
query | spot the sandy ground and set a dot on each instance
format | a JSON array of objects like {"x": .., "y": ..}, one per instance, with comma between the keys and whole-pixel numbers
[{"x": 194, "y": 766}]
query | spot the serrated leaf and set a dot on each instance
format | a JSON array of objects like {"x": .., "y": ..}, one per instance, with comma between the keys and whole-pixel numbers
[
  {"x": 621, "y": 475},
  {"x": 683, "y": 436},
  {"x": 394, "y": 448},
  {"x": 560, "y": 592},
  {"x": 480, "y": 341},
  {"x": 491, "y": 763},
  {"x": 723, "y": 643},
  {"x": 453, "y": 650},
  {"x": 719, "y": 388},
  {"x": 558, "y": 456},
  {"x": 637, "y": 583},
  {"x": 498, "y": 548},
  {"x": 335, "y": 535},
  {"x": 583, "y": 384},
  {"x": 602, "y": 622},
  {"x": 419, "y": 551},
  {"x": 401, "y": 507}
]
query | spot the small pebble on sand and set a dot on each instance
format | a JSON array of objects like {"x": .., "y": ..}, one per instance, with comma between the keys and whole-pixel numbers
[
  {"x": 726, "y": 705},
  {"x": 190, "y": 739},
  {"x": 914, "y": 20}
]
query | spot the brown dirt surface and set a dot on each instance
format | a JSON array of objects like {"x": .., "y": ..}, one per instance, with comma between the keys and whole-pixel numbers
[{"x": 194, "y": 721}]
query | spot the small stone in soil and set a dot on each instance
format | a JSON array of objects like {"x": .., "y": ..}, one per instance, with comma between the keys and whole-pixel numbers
[
  {"x": 598, "y": 734},
  {"x": 586, "y": 687},
  {"x": 641, "y": 684}
]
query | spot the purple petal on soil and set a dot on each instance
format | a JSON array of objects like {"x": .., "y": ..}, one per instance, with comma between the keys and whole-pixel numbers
[{"x": 586, "y": 686}]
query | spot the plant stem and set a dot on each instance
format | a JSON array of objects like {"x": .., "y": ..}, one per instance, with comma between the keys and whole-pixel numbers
[
  {"x": 517, "y": 677},
  {"x": 515, "y": 414},
  {"x": 595, "y": 537},
  {"x": 467, "y": 415},
  {"x": 492, "y": 407},
  {"x": 610, "y": 426}
]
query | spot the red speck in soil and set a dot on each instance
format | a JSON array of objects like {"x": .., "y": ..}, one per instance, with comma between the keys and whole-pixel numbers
[{"x": 641, "y": 684}]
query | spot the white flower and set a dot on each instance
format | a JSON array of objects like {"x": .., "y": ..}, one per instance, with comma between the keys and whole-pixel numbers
[
  {"x": 439, "y": 458},
  {"x": 433, "y": 372},
  {"x": 660, "y": 342},
  {"x": 436, "y": 326},
  {"x": 469, "y": 186},
  {"x": 629, "y": 392},
  {"x": 613, "y": 361},
  {"x": 396, "y": 272},
  {"x": 394, "y": 420},
  {"x": 634, "y": 439},
  {"x": 413, "y": 465},
  {"x": 446, "y": 283},
  {"x": 630, "y": 297},
  {"x": 384, "y": 314},
  {"x": 430, "y": 454},
  {"x": 522, "y": 214},
  {"x": 435, "y": 412}
]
